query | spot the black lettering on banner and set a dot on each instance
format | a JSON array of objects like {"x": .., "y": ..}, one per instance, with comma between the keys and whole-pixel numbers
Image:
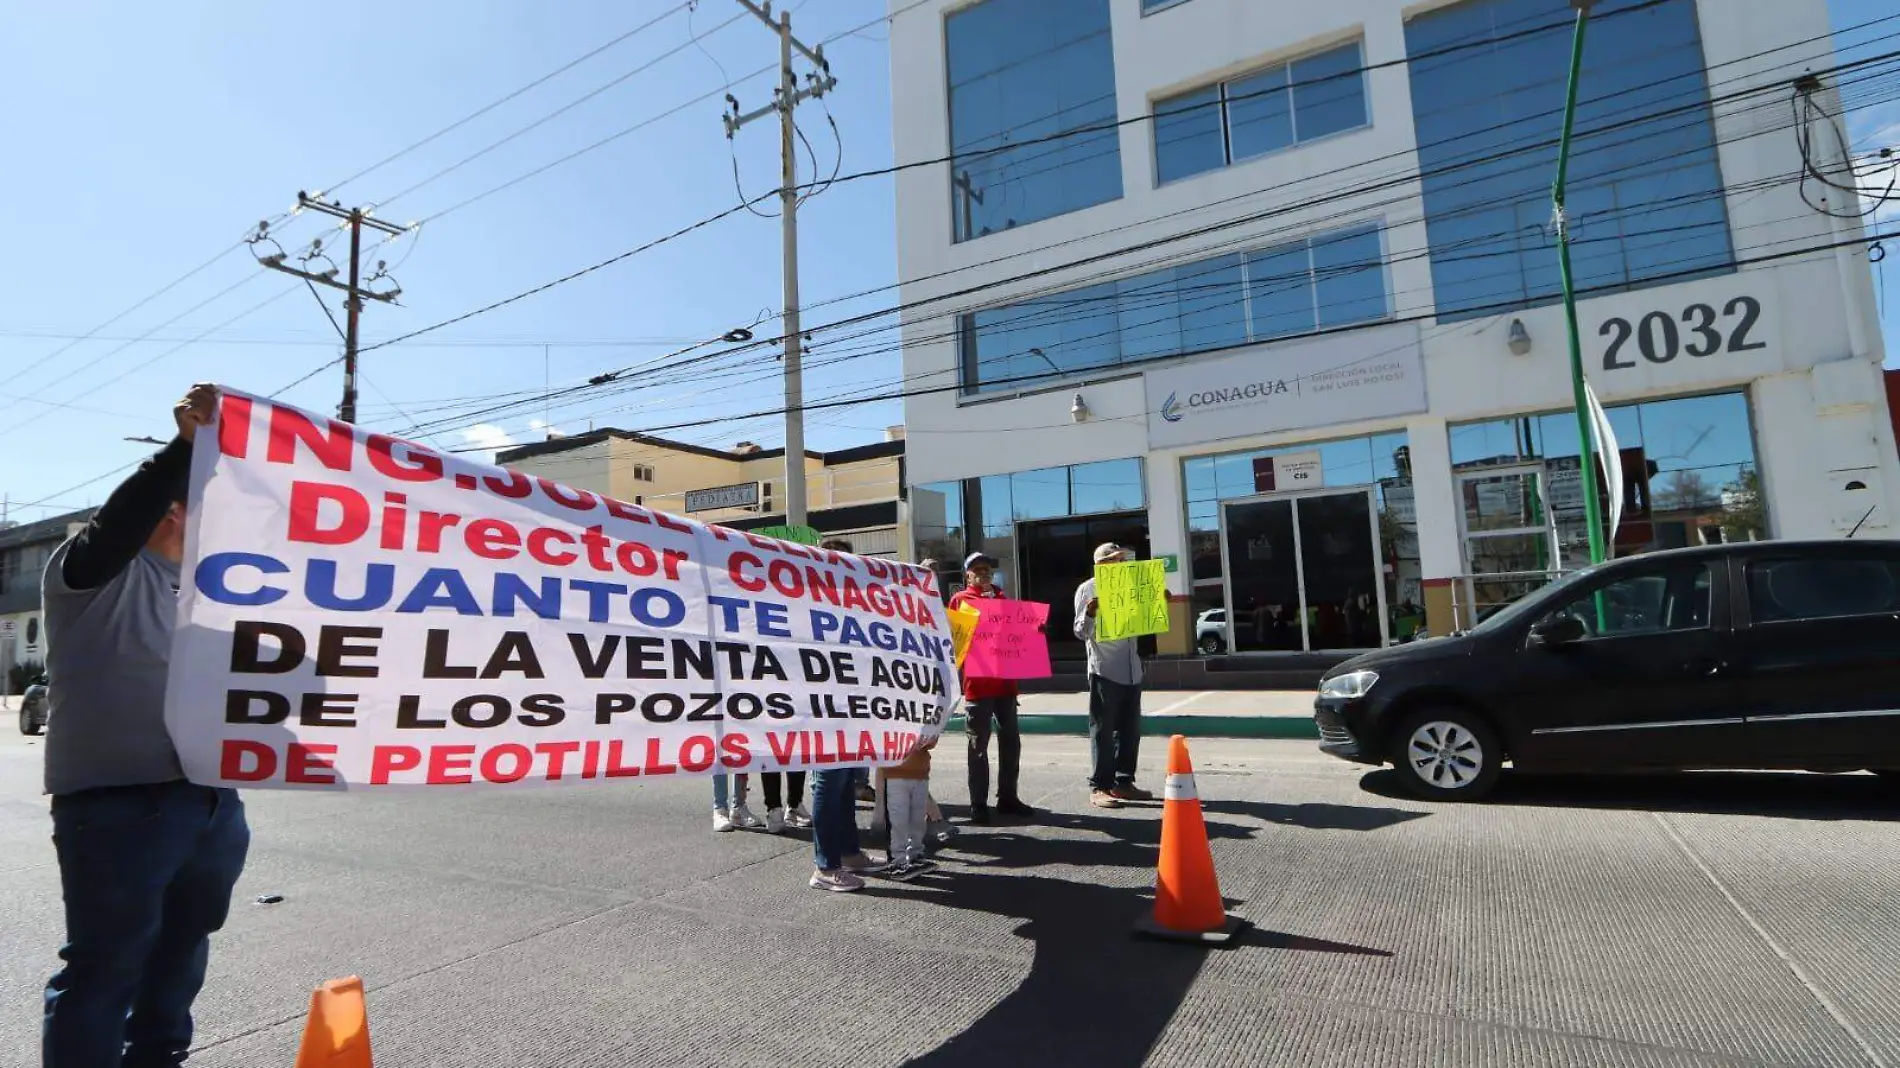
[
  {"x": 409, "y": 715},
  {"x": 744, "y": 707},
  {"x": 435, "y": 659},
  {"x": 1621, "y": 327},
  {"x": 1751, "y": 311},
  {"x": 781, "y": 705},
  {"x": 817, "y": 668},
  {"x": 1657, "y": 349},
  {"x": 541, "y": 710},
  {"x": 706, "y": 710},
  {"x": 609, "y": 705},
  {"x": 594, "y": 666},
  {"x": 248, "y": 655},
  {"x": 514, "y": 653},
  {"x": 469, "y": 711},
  {"x": 663, "y": 707},
  {"x": 237, "y": 707},
  {"x": 334, "y": 644},
  {"x": 1704, "y": 329},
  {"x": 328, "y": 710}
]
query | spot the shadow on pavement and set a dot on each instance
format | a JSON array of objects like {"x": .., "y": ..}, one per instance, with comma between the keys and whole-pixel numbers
[
  {"x": 1095, "y": 995},
  {"x": 1786, "y": 795},
  {"x": 1317, "y": 817}
]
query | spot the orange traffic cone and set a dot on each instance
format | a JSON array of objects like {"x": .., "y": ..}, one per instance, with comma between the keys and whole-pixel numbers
[
  {"x": 337, "y": 1033},
  {"x": 1188, "y": 905}
]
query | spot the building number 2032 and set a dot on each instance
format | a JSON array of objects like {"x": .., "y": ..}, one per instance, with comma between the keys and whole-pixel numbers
[{"x": 1702, "y": 333}]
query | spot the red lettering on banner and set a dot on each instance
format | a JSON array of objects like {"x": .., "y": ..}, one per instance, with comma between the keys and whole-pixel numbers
[
  {"x": 782, "y": 746},
  {"x": 247, "y": 761},
  {"x": 430, "y": 527},
  {"x": 557, "y": 754},
  {"x": 493, "y": 539},
  {"x": 395, "y": 518},
  {"x": 739, "y": 578},
  {"x": 671, "y": 560},
  {"x": 566, "y": 496},
  {"x": 306, "y": 500},
  {"x": 521, "y": 757},
  {"x": 511, "y": 484},
  {"x": 234, "y": 426},
  {"x": 422, "y": 466},
  {"x": 386, "y": 760},
  {"x": 331, "y": 446},
  {"x": 697, "y": 753},
  {"x": 672, "y": 523},
  {"x": 734, "y": 751},
  {"x": 656, "y": 764},
  {"x": 538, "y": 540},
  {"x": 616, "y": 768},
  {"x": 590, "y": 760},
  {"x": 449, "y": 765},
  {"x": 867, "y": 746},
  {"x": 633, "y": 513},
  {"x": 309, "y": 764},
  {"x": 853, "y": 596}
]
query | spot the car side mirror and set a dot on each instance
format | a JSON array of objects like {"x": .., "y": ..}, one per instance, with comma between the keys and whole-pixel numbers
[{"x": 1556, "y": 631}]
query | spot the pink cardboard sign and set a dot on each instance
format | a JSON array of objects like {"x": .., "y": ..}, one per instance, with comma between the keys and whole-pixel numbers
[{"x": 1009, "y": 643}]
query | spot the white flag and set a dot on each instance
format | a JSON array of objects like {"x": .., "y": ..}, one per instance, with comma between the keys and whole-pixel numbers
[{"x": 1610, "y": 458}]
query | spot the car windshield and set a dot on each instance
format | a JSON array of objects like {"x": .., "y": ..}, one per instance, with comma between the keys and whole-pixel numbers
[{"x": 1503, "y": 617}]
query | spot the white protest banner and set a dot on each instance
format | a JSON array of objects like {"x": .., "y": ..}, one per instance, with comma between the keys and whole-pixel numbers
[{"x": 359, "y": 612}]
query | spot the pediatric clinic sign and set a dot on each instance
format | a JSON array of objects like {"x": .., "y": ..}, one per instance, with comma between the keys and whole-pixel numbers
[{"x": 359, "y": 612}]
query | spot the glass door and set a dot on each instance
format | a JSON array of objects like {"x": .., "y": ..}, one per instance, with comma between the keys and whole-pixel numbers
[
  {"x": 1510, "y": 538},
  {"x": 1303, "y": 572}
]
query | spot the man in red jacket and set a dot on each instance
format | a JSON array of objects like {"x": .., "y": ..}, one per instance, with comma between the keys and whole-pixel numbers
[{"x": 990, "y": 702}]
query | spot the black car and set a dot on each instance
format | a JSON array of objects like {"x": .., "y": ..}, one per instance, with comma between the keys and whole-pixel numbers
[
  {"x": 1778, "y": 655},
  {"x": 34, "y": 708}
]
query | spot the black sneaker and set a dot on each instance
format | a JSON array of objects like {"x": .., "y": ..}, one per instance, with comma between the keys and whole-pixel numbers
[
  {"x": 980, "y": 815},
  {"x": 1014, "y": 807}
]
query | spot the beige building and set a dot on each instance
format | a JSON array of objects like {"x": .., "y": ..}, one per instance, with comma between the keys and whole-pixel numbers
[{"x": 855, "y": 494}]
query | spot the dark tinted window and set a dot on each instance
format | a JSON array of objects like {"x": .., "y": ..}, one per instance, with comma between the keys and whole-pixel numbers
[
  {"x": 1645, "y": 194},
  {"x": 1782, "y": 590},
  {"x": 1262, "y": 112},
  {"x": 1024, "y": 76},
  {"x": 1652, "y": 601}
]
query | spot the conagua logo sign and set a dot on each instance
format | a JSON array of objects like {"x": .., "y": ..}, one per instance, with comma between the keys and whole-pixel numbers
[
  {"x": 1224, "y": 395},
  {"x": 1171, "y": 409}
]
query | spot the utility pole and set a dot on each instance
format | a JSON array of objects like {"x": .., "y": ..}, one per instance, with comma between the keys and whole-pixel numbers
[
  {"x": 355, "y": 219},
  {"x": 1586, "y": 459},
  {"x": 789, "y": 96}
]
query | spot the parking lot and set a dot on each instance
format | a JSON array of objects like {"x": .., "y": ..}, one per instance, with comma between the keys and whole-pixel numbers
[{"x": 1713, "y": 920}]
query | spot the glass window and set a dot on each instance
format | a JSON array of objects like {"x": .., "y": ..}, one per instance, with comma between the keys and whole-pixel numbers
[
  {"x": 1188, "y": 135},
  {"x": 1107, "y": 486},
  {"x": 1645, "y": 194},
  {"x": 1655, "y": 601},
  {"x": 1793, "y": 589},
  {"x": 1263, "y": 112},
  {"x": 936, "y": 519},
  {"x": 1220, "y": 302},
  {"x": 1022, "y": 73},
  {"x": 1689, "y": 472},
  {"x": 1040, "y": 494}
]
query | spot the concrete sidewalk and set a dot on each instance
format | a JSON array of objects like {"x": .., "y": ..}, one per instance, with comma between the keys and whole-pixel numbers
[{"x": 1202, "y": 714}]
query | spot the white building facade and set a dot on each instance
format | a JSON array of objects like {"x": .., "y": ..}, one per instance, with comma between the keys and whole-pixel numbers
[{"x": 1270, "y": 290}]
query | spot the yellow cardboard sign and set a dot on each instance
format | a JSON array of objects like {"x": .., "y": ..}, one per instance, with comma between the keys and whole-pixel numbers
[
  {"x": 962, "y": 629},
  {"x": 1131, "y": 599}
]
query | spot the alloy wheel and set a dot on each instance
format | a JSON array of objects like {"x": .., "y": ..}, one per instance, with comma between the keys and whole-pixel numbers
[{"x": 1445, "y": 755}]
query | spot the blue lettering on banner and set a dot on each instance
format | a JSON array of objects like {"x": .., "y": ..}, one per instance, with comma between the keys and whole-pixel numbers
[
  {"x": 441, "y": 587},
  {"x": 319, "y": 588},
  {"x": 212, "y": 570},
  {"x": 879, "y": 635}
]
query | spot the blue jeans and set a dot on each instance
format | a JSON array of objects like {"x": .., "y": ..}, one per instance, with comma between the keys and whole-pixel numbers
[
  {"x": 834, "y": 817},
  {"x": 719, "y": 792},
  {"x": 146, "y": 873}
]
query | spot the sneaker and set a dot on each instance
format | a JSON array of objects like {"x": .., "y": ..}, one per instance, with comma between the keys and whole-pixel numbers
[
  {"x": 774, "y": 820},
  {"x": 903, "y": 873},
  {"x": 1104, "y": 799},
  {"x": 980, "y": 815},
  {"x": 838, "y": 882},
  {"x": 722, "y": 820},
  {"x": 1131, "y": 792},
  {"x": 941, "y": 832},
  {"x": 858, "y": 862},
  {"x": 743, "y": 818},
  {"x": 1014, "y": 807},
  {"x": 798, "y": 817}
]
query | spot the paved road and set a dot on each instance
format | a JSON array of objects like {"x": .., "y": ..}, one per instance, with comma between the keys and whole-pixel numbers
[{"x": 1729, "y": 920}]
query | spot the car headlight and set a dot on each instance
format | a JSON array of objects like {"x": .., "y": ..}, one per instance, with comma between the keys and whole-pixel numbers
[{"x": 1351, "y": 684}]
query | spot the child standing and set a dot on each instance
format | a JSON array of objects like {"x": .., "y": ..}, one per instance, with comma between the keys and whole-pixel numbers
[{"x": 907, "y": 787}]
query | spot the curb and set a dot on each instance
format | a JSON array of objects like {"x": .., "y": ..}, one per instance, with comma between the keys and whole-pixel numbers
[{"x": 1163, "y": 726}]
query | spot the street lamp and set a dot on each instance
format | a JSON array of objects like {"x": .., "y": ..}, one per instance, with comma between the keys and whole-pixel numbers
[{"x": 1592, "y": 510}]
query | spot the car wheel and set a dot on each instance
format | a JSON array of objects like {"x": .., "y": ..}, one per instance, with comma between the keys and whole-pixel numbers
[
  {"x": 1211, "y": 645},
  {"x": 29, "y": 724},
  {"x": 1448, "y": 753}
]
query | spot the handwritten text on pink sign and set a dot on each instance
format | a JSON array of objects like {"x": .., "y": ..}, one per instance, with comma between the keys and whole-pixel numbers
[{"x": 1009, "y": 642}]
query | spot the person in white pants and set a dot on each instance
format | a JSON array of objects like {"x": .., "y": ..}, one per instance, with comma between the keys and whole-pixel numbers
[{"x": 906, "y": 795}]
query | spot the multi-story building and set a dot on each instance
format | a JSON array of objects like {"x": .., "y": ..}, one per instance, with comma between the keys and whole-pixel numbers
[
  {"x": 1271, "y": 290},
  {"x": 24, "y": 550},
  {"x": 855, "y": 494}
]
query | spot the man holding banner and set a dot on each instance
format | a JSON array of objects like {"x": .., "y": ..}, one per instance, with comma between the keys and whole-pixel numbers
[
  {"x": 147, "y": 860},
  {"x": 1114, "y": 695},
  {"x": 990, "y": 703}
]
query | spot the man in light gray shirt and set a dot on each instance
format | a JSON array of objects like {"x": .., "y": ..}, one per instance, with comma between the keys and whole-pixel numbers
[
  {"x": 1114, "y": 698},
  {"x": 147, "y": 860}
]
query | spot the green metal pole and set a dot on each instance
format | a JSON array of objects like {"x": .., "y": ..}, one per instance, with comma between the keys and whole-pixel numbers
[{"x": 1592, "y": 512}]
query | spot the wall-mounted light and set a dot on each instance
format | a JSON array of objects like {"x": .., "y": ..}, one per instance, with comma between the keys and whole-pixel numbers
[
  {"x": 1520, "y": 338},
  {"x": 1079, "y": 411}
]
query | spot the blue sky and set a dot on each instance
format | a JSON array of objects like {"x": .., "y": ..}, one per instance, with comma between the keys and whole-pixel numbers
[{"x": 146, "y": 138}]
